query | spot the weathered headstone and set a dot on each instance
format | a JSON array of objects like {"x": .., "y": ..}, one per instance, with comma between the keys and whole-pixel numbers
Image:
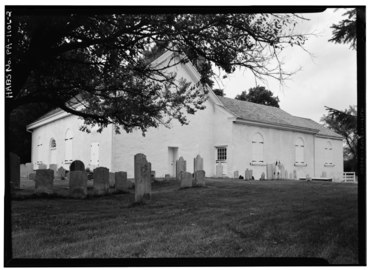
[
  {"x": 101, "y": 180},
  {"x": 247, "y": 175},
  {"x": 42, "y": 166},
  {"x": 77, "y": 165},
  {"x": 294, "y": 174},
  {"x": 236, "y": 174},
  {"x": 186, "y": 179},
  {"x": 78, "y": 184},
  {"x": 142, "y": 178},
  {"x": 167, "y": 177},
  {"x": 198, "y": 163},
  {"x": 44, "y": 181},
  {"x": 180, "y": 167},
  {"x": 29, "y": 167},
  {"x": 111, "y": 179},
  {"x": 263, "y": 176},
  {"x": 53, "y": 167},
  {"x": 15, "y": 177},
  {"x": 121, "y": 182},
  {"x": 61, "y": 173},
  {"x": 199, "y": 177},
  {"x": 270, "y": 171},
  {"x": 219, "y": 170}
]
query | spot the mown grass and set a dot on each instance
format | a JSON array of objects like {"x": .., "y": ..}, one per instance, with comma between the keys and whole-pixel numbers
[{"x": 228, "y": 218}]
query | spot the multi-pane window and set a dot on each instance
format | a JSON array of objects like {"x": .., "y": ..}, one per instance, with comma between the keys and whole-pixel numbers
[
  {"x": 221, "y": 153},
  {"x": 299, "y": 151},
  {"x": 68, "y": 143},
  {"x": 328, "y": 154},
  {"x": 257, "y": 148}
]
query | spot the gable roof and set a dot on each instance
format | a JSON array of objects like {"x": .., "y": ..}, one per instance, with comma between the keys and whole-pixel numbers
[{"x": 271, "y": 115}]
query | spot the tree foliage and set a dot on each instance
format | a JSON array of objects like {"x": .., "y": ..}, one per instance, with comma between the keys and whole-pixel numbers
[
  {"x": 345, "y": 124},
  {"x": 260, "y": 95},
  {"x": 345, "y": 31},
  {"x": 219, "y": 92},
  {"x": 96, "y": 66}
]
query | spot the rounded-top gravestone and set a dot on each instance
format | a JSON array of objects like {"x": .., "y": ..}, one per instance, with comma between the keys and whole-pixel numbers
[{"x": 77, "y": 165}]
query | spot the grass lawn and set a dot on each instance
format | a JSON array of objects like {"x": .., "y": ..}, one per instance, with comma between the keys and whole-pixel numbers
[{"x": 228, "y": 218}]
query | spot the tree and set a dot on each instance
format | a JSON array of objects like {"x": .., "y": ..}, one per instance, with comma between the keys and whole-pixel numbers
[
  {"x": 219, "y": 92},
  {"x": 345, "y": 30},
  {"x": 260, "y": 95},
  {"x": 345, "y": 124},
  {"x": 100, "y": 61}
]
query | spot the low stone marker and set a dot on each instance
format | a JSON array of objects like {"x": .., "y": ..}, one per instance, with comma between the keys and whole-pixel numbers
[
  {"x": 167, "y": 177},
  {"x": 142, "y": 178},
  {"x": 78, "y": 184},
  {"x": 77, "y": 165},
  {"x": 44, "y": 181},
  {"x": 180, "y": 167},
  {"x": 186, "y": 180},
  {"x": 15, "y": 177},
  {"x": 101, "y": 180},
  {"x": 61, "y": 173},
  {"x": 42, "y": 166},
  {"x": 121, "y": 182},
  {"x": 236, "y": 174},
  {"x": 53, "y": 167},
  {"x": 199, "y": 177},
  {"x": 219, "y": 170},
  {"x": 111, "y": 179},
  {"x": 198, "y": 163},
  {"x": 263, "y": 176}
]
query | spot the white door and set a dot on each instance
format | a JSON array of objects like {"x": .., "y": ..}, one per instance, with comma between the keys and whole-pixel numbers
[
  {"x": 172, "y": 157},
  {"x": 94, "y": 154}
]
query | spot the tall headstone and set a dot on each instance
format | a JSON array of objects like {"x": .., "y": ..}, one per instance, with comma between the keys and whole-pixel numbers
[
  {"x": 15, "y": 177},
  {"x": 247, "y": 175},
  {"x": 219, "y": 170},
  {"x": 111, "y": 179},
  {"x": 77, "y": 165},
  {"x": 78, "y": 184},
  {"x": 180, "y": 167},
  {"x": 121, "y": 182},
  {"x": 186, "y": 179},
  {"x": 44, "y": 181},
  {"x": 263, "y": 176},
  {"x": 142, "y": 178},
  {"x": 198, "y": 163},
  {"x": 42, "y": 166},
  {"x": 270, "y": 171},
  {"x": 199, "y": 177},
  {"x": 236, "y": 174},
  {"x": 101, "y": 180}
]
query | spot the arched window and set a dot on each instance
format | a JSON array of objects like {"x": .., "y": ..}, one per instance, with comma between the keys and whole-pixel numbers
[
  {"x": 68, "y": 146},
  {"x": 39, "y": 150},
  {"x": 53, "y": 144},
  {"x": 328, "y": 153},
  {"x": 257, "y": 148},
  {"x": 53, "y": 148},
  {"x": 299, "y": 151}
]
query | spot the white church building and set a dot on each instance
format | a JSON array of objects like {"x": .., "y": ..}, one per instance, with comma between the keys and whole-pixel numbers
[{"x": 241, "y": 135}]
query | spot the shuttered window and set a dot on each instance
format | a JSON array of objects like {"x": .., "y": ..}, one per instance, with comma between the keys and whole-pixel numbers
[
  {"x": 299, "y": 151},
  {"x": 257, "y": 148},
  {"x": 328, "y": 153},
  {"x": 39, "y": 151},
  {"x": 94, "y": 154},
  {"x": 68, "y": 146}
]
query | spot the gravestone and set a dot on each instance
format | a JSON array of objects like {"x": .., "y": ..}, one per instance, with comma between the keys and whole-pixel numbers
[
  {"x": 308, "y": 177},
  {"x": 167, "y": 177},
  {"x": 44, "y": 181},
  {"x": 198, "y": 163},
  {"x": 236, "y": 174},
  {"x": 219, "y": 170},
  {"x": 29, "y": 167},
  {"x": 53, "y": 167},
  {"x": 270, "y": 171},
  {"x": 294, "y": 174},
  {"x": 77, "y": 165},
  {"x": 186, "y": 179},
  {"x": 142, "y": 178},
  {"x": 111, "y": 179},
  {"x": 121, "y": 182},
  {"x": 199, "y": 177},
  {"x": 23, "y": 171},
  {"x": 61, "y": 173},
  {"x": 42, "y": 166},
  {"x": 247, "y": 175},
  {"x": 32, "y": 176},
  {"x": 15, "y": 177},
  {"x": 180, "y": 167},
  {"x": 323, "y": 174},
  {"x": 78, "y": 184},
  {"x": 263, "y": 176},
  {"x": 101, "y": 180}
]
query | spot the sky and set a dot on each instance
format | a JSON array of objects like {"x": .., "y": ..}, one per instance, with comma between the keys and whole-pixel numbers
[{"x": 326, "y": 76}]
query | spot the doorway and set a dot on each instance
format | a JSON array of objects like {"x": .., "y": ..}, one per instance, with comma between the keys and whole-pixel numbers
[{"x": 172, "y": 157}]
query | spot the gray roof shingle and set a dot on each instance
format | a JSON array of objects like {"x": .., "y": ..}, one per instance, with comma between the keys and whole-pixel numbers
[{"x": 272, "y": 115}]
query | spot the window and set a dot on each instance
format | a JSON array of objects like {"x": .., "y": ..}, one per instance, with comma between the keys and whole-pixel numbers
[
  {"x": 257, "y": 148},
  {"x": 68, "y": 143},
  {"x": 53, "y": 144},
  {"x": 221, "y": 153},
  {"x": 299, "y": 152},
  {"x": 52, "y": 154},
  {"x": 94, "y": 154},
  {"x": 38, "y": 151},
  {"x": 328, "y": 154}
]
